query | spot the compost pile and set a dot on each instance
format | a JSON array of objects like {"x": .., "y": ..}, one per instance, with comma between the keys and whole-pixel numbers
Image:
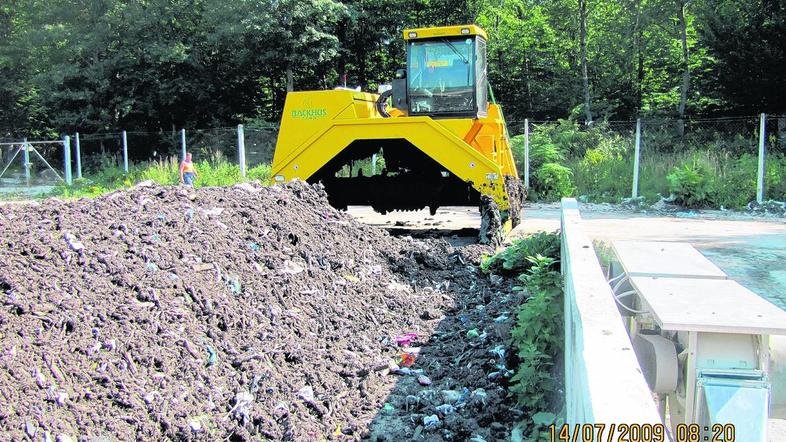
[{"x": 242, "y": 313}]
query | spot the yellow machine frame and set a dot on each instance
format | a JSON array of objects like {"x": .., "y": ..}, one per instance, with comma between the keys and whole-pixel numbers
[{"x": 317, "y": 125}]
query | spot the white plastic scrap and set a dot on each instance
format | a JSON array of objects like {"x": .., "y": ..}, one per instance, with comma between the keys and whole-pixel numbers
[
  {"x": 499, "y": 351},
  {"x": 306, "y": 394},
  {"x": 40, "y": 378},
  {"x": 503, "y": 372},
  {"x": 195, "y": 425},
  {"x": 451, "y": 396},
  {"x": 213, "y": 212},
  {"x": 61, "y": 398},
  {"x": 73, "y": 242},
  {"x": 243, "y": 401},
  {"x": 291, "y": 268},
  {"x": 501, "y": 318},
  {"x": 281, "y": 409},
  {"x": 445, "y": 409},
  {"x": 396, "y": 287},
  {"x": 248, "y": 187},
  {"x": 431, "y": 422}
]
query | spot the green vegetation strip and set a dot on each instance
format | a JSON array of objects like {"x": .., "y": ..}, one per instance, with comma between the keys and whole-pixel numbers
[
  {"x": 216, "y": 171},
  {"x": 704, "y": 169},
  {"x": 537, "y": 337}
]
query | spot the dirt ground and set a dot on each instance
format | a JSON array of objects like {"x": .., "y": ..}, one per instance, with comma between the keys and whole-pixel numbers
[
  {"x": 749, "y": 248},
  {"x": 243, "y": 313}
]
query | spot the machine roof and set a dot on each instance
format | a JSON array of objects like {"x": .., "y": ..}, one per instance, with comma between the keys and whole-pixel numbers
[{"x": 444, "y": 31}]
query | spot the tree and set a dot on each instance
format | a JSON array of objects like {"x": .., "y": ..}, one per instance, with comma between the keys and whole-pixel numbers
[
  {"x": 685, "y": 64},
  {"x": 583, "y": 44},
  {"x": 747, "y": 41}
]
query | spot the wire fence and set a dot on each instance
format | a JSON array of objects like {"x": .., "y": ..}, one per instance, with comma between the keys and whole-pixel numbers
[
  {"x": 600, "y": 161},
  {"x": 732, "y": 160},
  {"x": 29, "y": 167},
  {"x": 34, "y": 166}
]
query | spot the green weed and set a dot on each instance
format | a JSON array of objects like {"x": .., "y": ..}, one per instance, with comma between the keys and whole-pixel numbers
[
  {"x": 513, "y": 260},
  {"x": 215, "y": 171},
  {"x": 537, "y": 336}
]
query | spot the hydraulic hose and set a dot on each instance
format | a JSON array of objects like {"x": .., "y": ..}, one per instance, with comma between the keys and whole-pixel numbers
[{"x": 382, "y": 103}]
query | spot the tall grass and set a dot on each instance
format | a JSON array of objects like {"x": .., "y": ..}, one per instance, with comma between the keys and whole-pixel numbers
[{"x": 213, "y": 172}]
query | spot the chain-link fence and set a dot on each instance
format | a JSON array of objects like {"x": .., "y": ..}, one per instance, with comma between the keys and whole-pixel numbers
[
  {"x": 116, "y": 157},
  {"x": 713, "y": 161},
  {"x": 704, "y": 162},
  {"x": 260, "y": 145},
  {"x": 30, "y": 166},
  {"x": 220, "y": 144}
]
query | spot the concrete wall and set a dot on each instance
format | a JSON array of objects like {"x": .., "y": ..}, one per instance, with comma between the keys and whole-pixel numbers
[{"x": 603, "y": 381}]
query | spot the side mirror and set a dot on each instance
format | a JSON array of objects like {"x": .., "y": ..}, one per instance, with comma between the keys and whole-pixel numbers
[{"x": 401, "y": 73}]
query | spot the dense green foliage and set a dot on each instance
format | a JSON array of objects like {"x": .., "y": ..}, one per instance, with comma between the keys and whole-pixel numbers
[
  {"x": 704, "y": 168},
  {"x": 155, "y": 65},
  {"x": 537, "y": 337}
]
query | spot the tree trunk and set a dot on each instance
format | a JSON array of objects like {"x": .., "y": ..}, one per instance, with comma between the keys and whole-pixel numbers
[
  {"x": 583, "y": 44},
  {"x": 637, "y": 34},
  {"x": 527, "y": 75},
  {"x": 290, "y": 80},
  {"x": 685, "y": 66}
]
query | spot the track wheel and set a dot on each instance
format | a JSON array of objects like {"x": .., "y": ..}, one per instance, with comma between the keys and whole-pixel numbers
[{"x": 490, "y": 222}]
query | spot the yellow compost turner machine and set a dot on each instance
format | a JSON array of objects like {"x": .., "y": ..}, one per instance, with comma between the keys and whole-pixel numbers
[{"x": 441, "y": 141}]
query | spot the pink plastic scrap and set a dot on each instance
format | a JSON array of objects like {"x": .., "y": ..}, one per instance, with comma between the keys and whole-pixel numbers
[{"x": 406, "y": 339}]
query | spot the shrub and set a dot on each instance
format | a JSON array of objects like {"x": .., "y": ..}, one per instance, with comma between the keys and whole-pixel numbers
[
  {"x": 689, "y": 185},
  {"x": 538, "y": 335},
  {"x": 552, "y": 181},
  {"x": 261, "y": 172},
  {"x": 513, "y": 260}
]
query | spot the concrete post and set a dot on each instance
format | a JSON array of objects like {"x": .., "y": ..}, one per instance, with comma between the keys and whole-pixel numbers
[
  {"x": 635, "y": 193},
  {"x": 526, "y": 153},
  {"x": 78, "y": 158},
  {"x": 26, "y": 156},
  {"x": 125, "y": 152},
  {"x": 183, "y": 144},
  {"x": 762, "y": 145},
  {"x": 241, "y": 150},
  {"x": 67, "y": 159}
]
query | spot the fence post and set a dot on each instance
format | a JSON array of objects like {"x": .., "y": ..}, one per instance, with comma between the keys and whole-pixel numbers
[
  {"x": 241, "y": 150},
  {"x": 26, "y": 155},
  {"x": 183, "y": 144},
  {"x": 636, "y": 160},
  {"x": 67, "y": 159},
  {"x": 526, "y": 153},
  {"x": 762, "y": 144},
  {"x": 125, "y": 152},
  {"x": 78, "y": 158}
]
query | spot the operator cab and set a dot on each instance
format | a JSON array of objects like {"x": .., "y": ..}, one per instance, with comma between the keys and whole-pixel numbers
[{"x": 445, "y": 75}]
